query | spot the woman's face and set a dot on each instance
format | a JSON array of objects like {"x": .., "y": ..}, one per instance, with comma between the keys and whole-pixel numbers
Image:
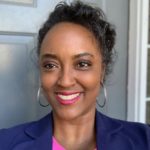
[{"x": 71, "y": 70}]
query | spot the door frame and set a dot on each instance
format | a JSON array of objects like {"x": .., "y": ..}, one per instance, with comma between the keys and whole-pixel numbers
[{"x": 137, "y": 60}]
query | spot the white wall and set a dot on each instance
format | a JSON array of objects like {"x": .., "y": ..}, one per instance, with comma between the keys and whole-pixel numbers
[{"x": 118, "y": 12}]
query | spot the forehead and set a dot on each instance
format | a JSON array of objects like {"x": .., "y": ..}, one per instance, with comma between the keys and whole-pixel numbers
[
  {"x": 69, "y": 37},
  {"x": 70, "y": 26}
]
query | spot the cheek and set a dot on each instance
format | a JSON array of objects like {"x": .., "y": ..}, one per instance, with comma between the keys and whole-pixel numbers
[
  {"x": 47, "y": 81},
  {"x": 91, "y": 81}
]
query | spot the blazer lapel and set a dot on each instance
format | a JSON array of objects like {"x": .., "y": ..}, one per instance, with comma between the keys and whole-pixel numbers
[
  {"x": 109, "y": 135},
  {"x": 40, "y": 135}
]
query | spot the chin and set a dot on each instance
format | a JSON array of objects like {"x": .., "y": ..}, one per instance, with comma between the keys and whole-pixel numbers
[{"x": 67, "y": 114}]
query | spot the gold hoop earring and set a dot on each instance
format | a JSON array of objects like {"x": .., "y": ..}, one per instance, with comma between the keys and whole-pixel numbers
[{"x": 38, "y": 98}]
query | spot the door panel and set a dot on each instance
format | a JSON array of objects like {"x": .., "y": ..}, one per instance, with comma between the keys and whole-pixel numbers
[{"x": 18, "y": 80}]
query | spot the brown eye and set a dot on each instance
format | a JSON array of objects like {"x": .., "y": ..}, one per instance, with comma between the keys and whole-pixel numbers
[
  {"x": 83, "y": 65},
  {"x": 49, "y": 66}
]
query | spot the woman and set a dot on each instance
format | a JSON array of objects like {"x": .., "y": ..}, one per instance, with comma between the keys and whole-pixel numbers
[{"x": 75, "y": 51}]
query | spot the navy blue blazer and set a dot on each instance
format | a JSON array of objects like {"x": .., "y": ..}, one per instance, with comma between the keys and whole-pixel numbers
[{"x": 111, "y": 134}]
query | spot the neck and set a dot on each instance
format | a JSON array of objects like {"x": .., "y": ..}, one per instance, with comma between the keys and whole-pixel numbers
[{"x": 76, "y": 132}]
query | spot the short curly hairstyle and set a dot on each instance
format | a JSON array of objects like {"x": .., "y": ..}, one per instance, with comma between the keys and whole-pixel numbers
[{"x": 91, "y": 18}]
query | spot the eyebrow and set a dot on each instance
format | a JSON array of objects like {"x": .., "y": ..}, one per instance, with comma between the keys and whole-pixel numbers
[
  {"x": 53, "y": 56},
  {"x": 83, "y": 54},
  {"x": 44, "y": 56}
]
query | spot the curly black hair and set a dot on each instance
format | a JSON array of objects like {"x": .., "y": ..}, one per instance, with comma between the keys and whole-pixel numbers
[{"x": 91, "y": 18}]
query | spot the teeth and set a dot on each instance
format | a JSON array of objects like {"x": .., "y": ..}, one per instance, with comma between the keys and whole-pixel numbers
[{"x": 68, "y": 97}]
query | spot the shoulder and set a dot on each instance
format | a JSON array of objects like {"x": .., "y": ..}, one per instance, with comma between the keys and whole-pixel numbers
[
  {"x": 18, "y": 134},
  {"x": 134, "y": 133},
  {"x": 123, "y": 124},
  {"x": 8, "y": 136},
  {"x": 138, "y": 134}
]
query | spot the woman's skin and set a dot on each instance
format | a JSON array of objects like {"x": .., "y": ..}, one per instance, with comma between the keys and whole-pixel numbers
[{"x": 71, "y": 71}]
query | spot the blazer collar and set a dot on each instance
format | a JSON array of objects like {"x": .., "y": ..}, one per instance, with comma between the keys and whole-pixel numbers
[
  {"x": 109, "y": 134},
  {"x": 42, "y": 131},
  {"x": 41, "y": 127},
  {"x": 107, "y": 125}
]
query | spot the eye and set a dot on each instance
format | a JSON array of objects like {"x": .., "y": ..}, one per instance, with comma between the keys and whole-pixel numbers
[
  {"x": 49, "y": 66},
  {"x": 83, "y": 65}
]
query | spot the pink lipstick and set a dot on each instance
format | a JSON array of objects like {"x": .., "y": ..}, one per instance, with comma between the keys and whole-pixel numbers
[{"x": 67, "y": 98}]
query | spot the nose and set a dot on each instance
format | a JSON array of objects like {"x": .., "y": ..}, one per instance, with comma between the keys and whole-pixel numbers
[{"x": 66, "y": 78}]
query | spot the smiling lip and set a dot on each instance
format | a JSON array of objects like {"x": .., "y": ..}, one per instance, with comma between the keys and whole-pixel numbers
[{"x": 67, "y": 98}]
